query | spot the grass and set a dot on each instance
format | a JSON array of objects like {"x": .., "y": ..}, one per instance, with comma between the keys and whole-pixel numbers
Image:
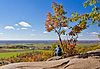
[
  {"x": 12, "y": 49},
  {"x": 42, "y": 50},
  {"x": 11, "y": 54}
]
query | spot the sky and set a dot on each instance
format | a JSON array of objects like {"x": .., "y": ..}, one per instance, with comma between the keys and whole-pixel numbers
[{"x": 25, "y": 19}]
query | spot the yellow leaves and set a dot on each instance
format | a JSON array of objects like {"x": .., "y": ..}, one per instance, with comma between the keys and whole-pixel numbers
[
  {"x": 85, "y": 5},
  {"x": 55, "y": 23},
  {"x": 62, "y": 32},
  {"x": 95, "y": 17},
  {"x": 86, "y": 15},
  {"x": 92, "y": 22},
  {"x": 60, "y": 4},
  {"x": 56, "y": 15},
  {"x": 76, "y": 13},
  {"x": 86, "y": 2},
  {"x": 70, "y": 20},
  {"x": 63, "y": 17},
  {"x": 94, "y": 2},
  {"x": 90, "y": 3},
  {"x": 93, "y": 9},
  {"x": 48, "y": 18},
  {"x": 94, "y": 12},
  {"x": 90, "y": 13},
  {"x": 71, "y": 33},
  {"x": 48, "y": 14},
  {"x": 82, "y": 25},
  {"x": 51, "y": 28},
  {"x": 58, "y": 9},
  {"x": 53, "y": 4},
  {"x": 72, "y": 14},
  {"x": 49, "y": 23},
  {"x": 97, "y": 1},
  {"x": 96, "y": 7}
]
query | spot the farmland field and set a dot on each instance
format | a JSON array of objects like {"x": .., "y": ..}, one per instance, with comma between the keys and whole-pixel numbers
[{"x": 11, "y": 54}]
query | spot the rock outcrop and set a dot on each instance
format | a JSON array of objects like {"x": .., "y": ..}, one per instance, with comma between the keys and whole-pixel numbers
[{"x": 91, "y": 61}]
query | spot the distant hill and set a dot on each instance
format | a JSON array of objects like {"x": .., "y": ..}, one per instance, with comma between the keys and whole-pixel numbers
[{"x": 7, "y": 42}]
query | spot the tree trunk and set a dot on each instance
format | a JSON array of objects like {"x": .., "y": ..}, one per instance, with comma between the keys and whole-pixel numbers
[{"x": 60, "y": 41}]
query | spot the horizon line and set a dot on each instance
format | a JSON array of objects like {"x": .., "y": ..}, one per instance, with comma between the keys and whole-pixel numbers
[{"x": 44, "y": 39}]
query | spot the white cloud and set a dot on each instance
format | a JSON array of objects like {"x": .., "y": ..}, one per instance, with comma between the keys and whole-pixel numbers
[
  {"x": 24, "y": 24},
  {"x": 45, "y": 32},
  {"x": 94, "y": 33},
  {"x": 24, "y": 28},
  {"x": 65, "y": 27},
  {"x": 16, "y": 24},
  {"x": 9, "y": 27}
]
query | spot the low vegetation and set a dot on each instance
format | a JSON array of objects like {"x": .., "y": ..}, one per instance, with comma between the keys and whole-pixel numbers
[{"x": 27, "y": 57}]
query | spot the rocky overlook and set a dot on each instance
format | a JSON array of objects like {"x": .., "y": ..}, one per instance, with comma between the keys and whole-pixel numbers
[{"x": 90, "y": 60}]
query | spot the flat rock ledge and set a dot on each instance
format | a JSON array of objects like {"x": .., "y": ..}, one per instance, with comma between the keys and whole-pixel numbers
[{"x": 74, "y": 62}]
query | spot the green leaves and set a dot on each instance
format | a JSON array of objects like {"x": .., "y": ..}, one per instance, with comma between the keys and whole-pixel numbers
[
  {"x": 94, "y": 2},
  {"x": 90, "y": 2},
  {"x": 76, "y": 13},
  {"x": 85, "y": 5}
]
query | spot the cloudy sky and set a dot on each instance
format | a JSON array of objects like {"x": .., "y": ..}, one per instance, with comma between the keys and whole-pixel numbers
[{"x": 25, "y": 19}]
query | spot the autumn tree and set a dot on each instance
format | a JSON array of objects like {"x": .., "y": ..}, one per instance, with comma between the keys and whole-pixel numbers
[
  {"x": 84, "y": 19},
  {"x": 57, "y": 21}
]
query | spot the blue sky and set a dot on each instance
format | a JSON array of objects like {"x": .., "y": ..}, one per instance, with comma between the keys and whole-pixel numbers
[{"x": 25, "y": 19}]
